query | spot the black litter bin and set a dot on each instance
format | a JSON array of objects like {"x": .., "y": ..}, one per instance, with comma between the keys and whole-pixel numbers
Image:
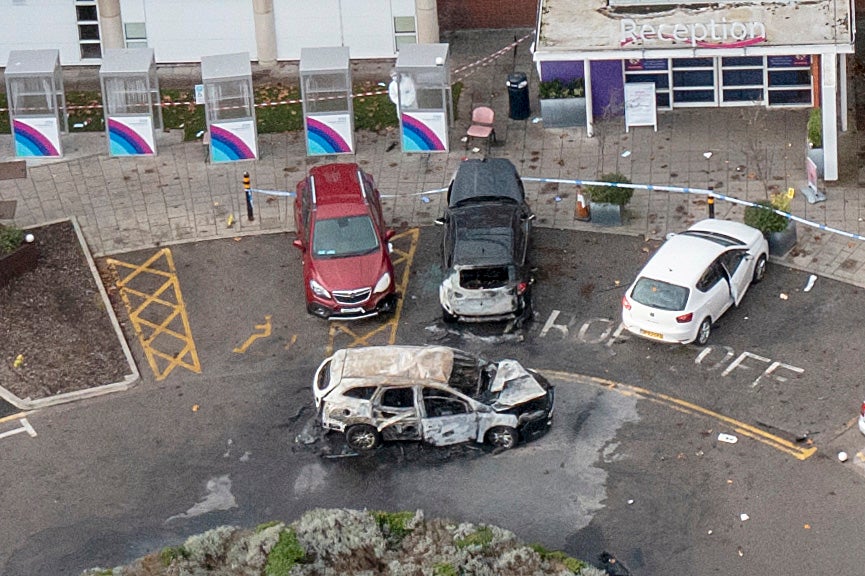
[{"x": 518, "y": 96}]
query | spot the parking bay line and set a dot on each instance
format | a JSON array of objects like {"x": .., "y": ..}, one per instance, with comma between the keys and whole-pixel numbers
[
  {"x": 742, "y": 428},
  {"x": 25, "y": 427}
]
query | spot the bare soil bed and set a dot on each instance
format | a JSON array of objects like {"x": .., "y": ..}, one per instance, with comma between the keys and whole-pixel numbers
[{"x": 55, "y": 318}]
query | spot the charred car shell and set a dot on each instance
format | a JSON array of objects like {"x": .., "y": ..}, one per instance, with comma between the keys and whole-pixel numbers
[
  {"x": 485, "y": 244},
  {"x": 436, "y": 394}
]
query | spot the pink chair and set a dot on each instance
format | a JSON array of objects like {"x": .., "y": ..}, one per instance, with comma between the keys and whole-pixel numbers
[{"x": 482, "y": 126}]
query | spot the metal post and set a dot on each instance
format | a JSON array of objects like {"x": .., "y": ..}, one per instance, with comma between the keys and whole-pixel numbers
[
  {"x": 711, "y": 202},
  {"x": 246, "y": 187}
]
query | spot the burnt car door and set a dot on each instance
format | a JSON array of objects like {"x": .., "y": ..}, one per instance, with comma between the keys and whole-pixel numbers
[
  {"x": 448, "y": 418},
  {"x": 395, "y": 413}
]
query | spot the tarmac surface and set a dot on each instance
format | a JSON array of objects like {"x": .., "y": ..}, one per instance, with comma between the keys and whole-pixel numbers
[{"x": 124, "y": 204}]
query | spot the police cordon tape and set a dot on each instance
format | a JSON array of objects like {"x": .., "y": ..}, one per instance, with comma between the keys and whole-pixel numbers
[
  {"x": 648, "y": 187},
  {"x": 700, "y": 191}
]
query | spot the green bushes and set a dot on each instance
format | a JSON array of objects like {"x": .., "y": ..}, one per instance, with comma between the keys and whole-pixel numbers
[
  {"x": 10, "y": 239},
  {"x": 284, "y": 555},
  {"x": 815, "y": 128},
  {"x": 764, "y": 218},
  {"x": 610, "y": 194},
  {"x": 555, "y": 89}
]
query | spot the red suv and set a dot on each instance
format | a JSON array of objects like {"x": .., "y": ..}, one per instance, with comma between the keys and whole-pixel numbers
[{"x": 347, "y": 270}]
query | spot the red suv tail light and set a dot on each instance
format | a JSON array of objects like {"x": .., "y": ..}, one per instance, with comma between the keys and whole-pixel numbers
[
  {"x": 522, "y": 287},
  {"x": 626, "y": 304},
  {"x": 685, "y": 318}
]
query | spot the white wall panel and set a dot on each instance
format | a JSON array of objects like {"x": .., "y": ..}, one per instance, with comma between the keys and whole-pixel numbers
[
  {"x": 367, "y": 28},
  {"x": 306, "y": 24},
  {"x": 39, "y": 25},
  {"x": 186, "y": 30}
]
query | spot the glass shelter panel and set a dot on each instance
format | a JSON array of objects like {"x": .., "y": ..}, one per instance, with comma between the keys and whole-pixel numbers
[
  {"x": 229, "y": 100},
  {"x": 37, "y": 104},
  {"x": 421, "y": 88}
]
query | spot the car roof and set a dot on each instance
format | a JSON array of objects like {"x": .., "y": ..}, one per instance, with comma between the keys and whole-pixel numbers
[
  {"x": 391, "y": 364},
  {"x": 337, "y": 190},
  {"x": 490, "y": 177},
  {"x": 683, "y": 258}
]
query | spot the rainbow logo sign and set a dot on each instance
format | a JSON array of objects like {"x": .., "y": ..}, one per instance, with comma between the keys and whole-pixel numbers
[
  {"x": 424, "y": 132},
  {"x": 131, "y": 136},
  {"x": 329, "y": 134},
  {"x": 36, "y": 137},
  {"x": 232, "y": 142}
]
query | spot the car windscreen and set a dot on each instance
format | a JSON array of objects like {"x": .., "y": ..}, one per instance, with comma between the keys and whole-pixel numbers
[
  {"x": 347, "y": 236},
  {"x": 658, "y": 294},
  {"x": 715, "y": 237},
  {"x": 484, "y": 236}
]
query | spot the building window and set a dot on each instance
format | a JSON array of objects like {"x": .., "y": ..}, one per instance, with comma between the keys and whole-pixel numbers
[
  {"x": 405, "y": 30},
  {"x": 88, "y": 29},
  {"x": 136, "y": 34},
  {"x": 789, "y": 81}
]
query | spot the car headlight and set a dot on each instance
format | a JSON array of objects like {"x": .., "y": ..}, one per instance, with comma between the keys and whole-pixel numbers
[
  {"x": 383, "y": 283},
  {"x": 318, "y": 289}
]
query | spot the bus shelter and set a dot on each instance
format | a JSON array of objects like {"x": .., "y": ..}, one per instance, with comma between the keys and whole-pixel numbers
[
  {"x": 229, "y": 107},
  {"x": 421, "y": 89},
  {"x": 328, "y": 114},
  {"x": 37, "y": 104},
  {"x": 130, "y": 99}
]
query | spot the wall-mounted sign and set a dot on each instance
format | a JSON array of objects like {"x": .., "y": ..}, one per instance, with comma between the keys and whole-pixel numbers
[
  {"x": 131, "y": 136},
  {"x": 708, "y": 34},
  {"x": 329, "y": 134},
  {"x": 233, "y": 141},
  {"x": 424, "y": 132},
  {"x": 36, "y": 137},
  {"x": 640, "y": 107}
]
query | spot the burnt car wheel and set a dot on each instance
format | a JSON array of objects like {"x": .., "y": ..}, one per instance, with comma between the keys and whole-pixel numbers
[
  {"x": 362, "y": 437},
  {"x": 448, "y": 317},
  {"x": 503, "y": 437}
]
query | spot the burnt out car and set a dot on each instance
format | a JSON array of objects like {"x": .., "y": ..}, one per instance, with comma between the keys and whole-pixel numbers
[
  {"x": 485, "y": 244},
  {"x": 434, "y": 394}
]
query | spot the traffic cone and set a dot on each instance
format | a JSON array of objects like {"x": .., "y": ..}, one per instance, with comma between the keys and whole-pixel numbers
[{"x": 582, "y": 212}]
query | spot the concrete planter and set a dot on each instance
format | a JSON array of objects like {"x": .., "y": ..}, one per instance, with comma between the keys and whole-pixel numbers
[
  {"x": 606, "y": 214},
  {"x": 18, "y": 262},
  {"x": 563, "y": 112},
  {"x": 781, "y": 242}
]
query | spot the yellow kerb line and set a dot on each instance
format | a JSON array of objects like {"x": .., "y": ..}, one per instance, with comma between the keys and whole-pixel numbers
[{"x": 742, "y": 428}]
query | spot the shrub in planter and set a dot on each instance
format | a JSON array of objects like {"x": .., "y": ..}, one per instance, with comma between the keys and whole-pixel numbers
[
  {"x": 815, "y": 128},
  {"x": 763, "y": 216},
  {"x": 556, "y": 89},
  {"x": 610, "y": 194},
  {"x": 10, "y": 239}
]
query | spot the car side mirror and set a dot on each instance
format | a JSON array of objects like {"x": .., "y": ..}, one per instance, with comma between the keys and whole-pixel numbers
[
  {"x": 531, "y": 217},
  {"x": 439, "y": 221},
  {"x": 298, "y": 244},
  {"x": 389, "y": 234}
]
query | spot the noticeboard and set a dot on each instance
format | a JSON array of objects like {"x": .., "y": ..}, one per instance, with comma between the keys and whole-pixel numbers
[{"x": 640, "y": 108}]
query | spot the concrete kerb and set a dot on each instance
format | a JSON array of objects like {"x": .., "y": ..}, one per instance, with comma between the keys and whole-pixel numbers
[{"x": 128, "y": 380}]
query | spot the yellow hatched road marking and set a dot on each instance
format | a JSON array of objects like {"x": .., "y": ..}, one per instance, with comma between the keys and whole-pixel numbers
[
  {"x": 399, "y": 258},
  {"x": 742, "y": 428},
  {"x": 151, "y": 294}
]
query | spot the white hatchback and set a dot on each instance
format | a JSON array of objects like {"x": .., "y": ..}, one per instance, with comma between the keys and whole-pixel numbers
[{"x": 692, "y": 279}]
